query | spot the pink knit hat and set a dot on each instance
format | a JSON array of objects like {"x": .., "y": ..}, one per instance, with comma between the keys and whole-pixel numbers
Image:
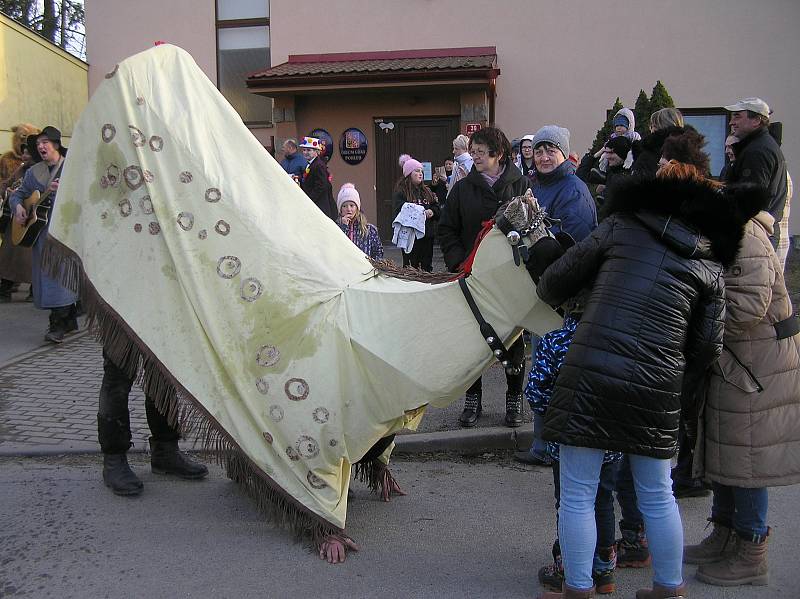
[
  {"x": 348, "y": 193},
  {"x": 408, "y": 164}
]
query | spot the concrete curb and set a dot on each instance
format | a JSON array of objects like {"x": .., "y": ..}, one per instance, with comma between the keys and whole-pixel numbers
[{"x": 468, "y": 440}]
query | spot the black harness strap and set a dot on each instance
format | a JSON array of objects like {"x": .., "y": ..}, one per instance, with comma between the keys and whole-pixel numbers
[{"x": 489, "y": 334}]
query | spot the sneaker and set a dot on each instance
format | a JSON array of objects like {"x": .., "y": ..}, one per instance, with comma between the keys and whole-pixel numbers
[
  {"x": 54, "y": 334},
  {"x": 526, "y": 457},
  {"x": 604, "y": 582},
  {"x": 633, "y": 550},
  {"x": 551, "y": 577}
]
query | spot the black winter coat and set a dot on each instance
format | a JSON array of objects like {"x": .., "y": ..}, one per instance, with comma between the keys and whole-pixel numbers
[
  {"x": 653, "y": 320},
  {"x": 647, "y": 151},
  {"x": 399, "y": 198},
  {"x": 472, "y": 202},
  {"x": 318, "y": 187},
  {"x": 759, "y": 160}
]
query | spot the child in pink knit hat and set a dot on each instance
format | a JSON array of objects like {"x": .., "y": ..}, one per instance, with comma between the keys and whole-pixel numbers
[
  {"x": 354, "y": 224},
  {"x": 411, "y": 189}
]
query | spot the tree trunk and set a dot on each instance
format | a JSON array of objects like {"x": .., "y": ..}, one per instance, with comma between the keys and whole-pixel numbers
[{"x": 49, "y": 20}]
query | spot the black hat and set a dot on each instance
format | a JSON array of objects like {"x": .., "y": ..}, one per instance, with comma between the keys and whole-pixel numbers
[
  {"x": 620, "y": 145},
  {"x": 30, "y": 143},
  {"x": 53, "y": 135}
]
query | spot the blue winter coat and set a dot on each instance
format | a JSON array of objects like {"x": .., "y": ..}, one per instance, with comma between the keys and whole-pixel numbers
[
  {"x": 294, "y": 164},
  {"x": 47, "y": 292},
  {"x": 565, "y": 197}
]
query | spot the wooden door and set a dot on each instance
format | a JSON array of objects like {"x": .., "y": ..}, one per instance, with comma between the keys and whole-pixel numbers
[{"x": 428, "y": 139}]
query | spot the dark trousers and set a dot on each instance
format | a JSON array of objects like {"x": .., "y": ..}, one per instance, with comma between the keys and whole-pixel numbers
[
  {"x": 514, "y": 381},
  {"x": 421, "y": 255},
  {"x": 113, "y": 417},
  {"x": 626, "y": 497}
]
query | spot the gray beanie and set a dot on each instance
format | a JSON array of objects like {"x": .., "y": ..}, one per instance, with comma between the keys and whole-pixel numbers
[{"x": 553, "y": 134}]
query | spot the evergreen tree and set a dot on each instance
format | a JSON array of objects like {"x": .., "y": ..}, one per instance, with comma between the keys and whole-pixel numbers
[
  {"x": 641, "y": 112},
  {"x": 605, "y": 131},
  {"x": 660, "y": 98}
]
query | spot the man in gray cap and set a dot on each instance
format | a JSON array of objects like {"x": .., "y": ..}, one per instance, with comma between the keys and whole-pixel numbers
[{"x": 759, "y": 158}]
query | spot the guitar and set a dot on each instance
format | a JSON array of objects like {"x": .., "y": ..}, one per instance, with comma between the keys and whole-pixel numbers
[{"x": 38, "y": 207}]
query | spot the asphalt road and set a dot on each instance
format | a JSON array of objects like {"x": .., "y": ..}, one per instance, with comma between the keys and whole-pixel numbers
[{"x": 477, "y": 528}]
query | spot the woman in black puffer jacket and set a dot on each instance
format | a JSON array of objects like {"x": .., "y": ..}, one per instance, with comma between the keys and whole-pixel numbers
[{"x": 652, "y": 325}]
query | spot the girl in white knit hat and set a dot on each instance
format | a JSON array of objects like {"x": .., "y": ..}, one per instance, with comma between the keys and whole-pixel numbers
[{"x": 354, "y": 224}]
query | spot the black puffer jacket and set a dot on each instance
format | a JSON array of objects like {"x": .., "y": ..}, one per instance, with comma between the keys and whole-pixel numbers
[
  {"x": 653, "y": 321},
  {"x": 647, "y": 151},
  {"x": 470, "y": 203}
]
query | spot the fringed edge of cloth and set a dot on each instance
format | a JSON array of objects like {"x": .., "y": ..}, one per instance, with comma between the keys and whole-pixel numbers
[
  {"x": 406, "y": 273},
  {"x": 182, "y": 410},
  {"x": 376, "y": 475}
]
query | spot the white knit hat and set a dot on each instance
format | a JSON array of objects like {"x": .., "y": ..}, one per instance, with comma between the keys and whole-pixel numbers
[{"x": 348, "y": 193}]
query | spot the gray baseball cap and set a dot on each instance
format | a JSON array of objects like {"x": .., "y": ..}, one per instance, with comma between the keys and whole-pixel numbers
[{"x": 756, "y": 105}]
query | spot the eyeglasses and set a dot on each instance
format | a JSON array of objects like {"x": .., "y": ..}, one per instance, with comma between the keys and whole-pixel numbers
[{"x": 479, "y": 153}]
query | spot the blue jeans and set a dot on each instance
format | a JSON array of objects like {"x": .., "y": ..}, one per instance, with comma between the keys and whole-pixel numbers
[
  {"x": 743, "y": 510},
  {"x": 539, "y": 446},
  {"x": 580, "y": 475}
]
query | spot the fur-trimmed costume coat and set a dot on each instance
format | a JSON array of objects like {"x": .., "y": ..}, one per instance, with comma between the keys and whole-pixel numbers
[{"x": 653, "y": 320}]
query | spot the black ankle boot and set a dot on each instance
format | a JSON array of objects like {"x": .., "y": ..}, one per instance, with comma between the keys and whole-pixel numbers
[
  {"x": 513, "y": 409},
  {"x": 166, "y": 458},
  {"x": 472, "y": 410},
  {"x": 118, "y": 476}
]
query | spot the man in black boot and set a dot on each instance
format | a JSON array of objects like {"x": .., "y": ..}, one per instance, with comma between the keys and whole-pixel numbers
[
  {"x": 62, "y": 322},
  {"x": 114, "y": 434}
]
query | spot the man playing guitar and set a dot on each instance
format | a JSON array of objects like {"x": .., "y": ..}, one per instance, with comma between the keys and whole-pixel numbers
[{"x": 48, "y": 294}]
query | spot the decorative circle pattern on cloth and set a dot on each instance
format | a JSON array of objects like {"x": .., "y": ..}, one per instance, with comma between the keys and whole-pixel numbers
[
  {"x": 222, "y": 227},
  {"x": 292, "y": 453},
  {"x": 108, "y": 132},
  {"x": 202, "y": 234},
  {"x": 315, "y": 481},
  {"x": 125, "y": 207},
  {"x": 262, "y": 385},
  {"x": 228, "y": 267},
  {"x": 146, "y": 204},
  {"x": 320, "y": 415},
  {"x": 267, "y": 437},
  {"x": 137, "y": 227},
  {"x": 186, "y": 177},
  {"x": 112, "y": 175},
  {"x": 104, "y": 215},
  {"x": 307, "y": 447},
  {"x": 154, "y": 228},
  {"x": 251, "y": 289},
  {"x": 186, "y": 220},
  {"x": 213, "y": 195},
  {"x": 140, "y": 100},
  {"x": 112, "y": 72},
  {"x": 137, "y": 137},
  {"x": 134, "y": 178},
  {"x": 148, "y": 176},
  {"x": 268, "y": 355},
  {"x": 156, "y": 143},
  {"x": 276, "y": 413},
  {"x": 333, "y": 442},
  {"x": 296, "y": 389},
  {"x": 104, "y": 182}
]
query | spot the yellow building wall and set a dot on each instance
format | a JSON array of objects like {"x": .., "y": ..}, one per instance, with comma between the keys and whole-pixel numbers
[{"x": 39, "y": 83}]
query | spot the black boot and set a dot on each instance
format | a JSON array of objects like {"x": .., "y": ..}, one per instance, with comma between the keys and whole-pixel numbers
[
  {"x": 118, "y": 476},
  {"x": 58, "y": 325},
  {"x": 513, "y": 409},
  {"x": 472, "y": 410},
  {"x": 166, "y": 458}
]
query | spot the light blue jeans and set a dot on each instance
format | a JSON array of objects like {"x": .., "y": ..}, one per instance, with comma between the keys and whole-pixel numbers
[{"x": 580, "y": 474}]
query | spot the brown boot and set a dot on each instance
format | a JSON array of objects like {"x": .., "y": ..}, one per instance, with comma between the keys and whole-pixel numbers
[
  {"x": 747, "y": 566},
  {"x": 720, "y": 544},
  {"x": 569, "y": 593},
  {"x": 659, "y": 592}
]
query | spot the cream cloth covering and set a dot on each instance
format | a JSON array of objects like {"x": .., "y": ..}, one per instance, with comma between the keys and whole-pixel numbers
[{"x": 236, "y": 291}]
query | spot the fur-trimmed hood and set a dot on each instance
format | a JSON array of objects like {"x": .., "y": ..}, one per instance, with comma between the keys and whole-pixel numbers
[{"x": 693, "y": 218}]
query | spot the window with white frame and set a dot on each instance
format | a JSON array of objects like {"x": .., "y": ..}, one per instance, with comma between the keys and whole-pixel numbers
[
  {"x": 242, "y": 48},
  {"x": 713, "y": 124}
]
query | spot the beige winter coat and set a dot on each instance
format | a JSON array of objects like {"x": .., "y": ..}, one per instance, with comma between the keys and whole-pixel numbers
[{"x": 751, "y": 438}]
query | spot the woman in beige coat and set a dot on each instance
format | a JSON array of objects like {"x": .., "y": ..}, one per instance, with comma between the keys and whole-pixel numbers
[{"x": 749, "y": 438}]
